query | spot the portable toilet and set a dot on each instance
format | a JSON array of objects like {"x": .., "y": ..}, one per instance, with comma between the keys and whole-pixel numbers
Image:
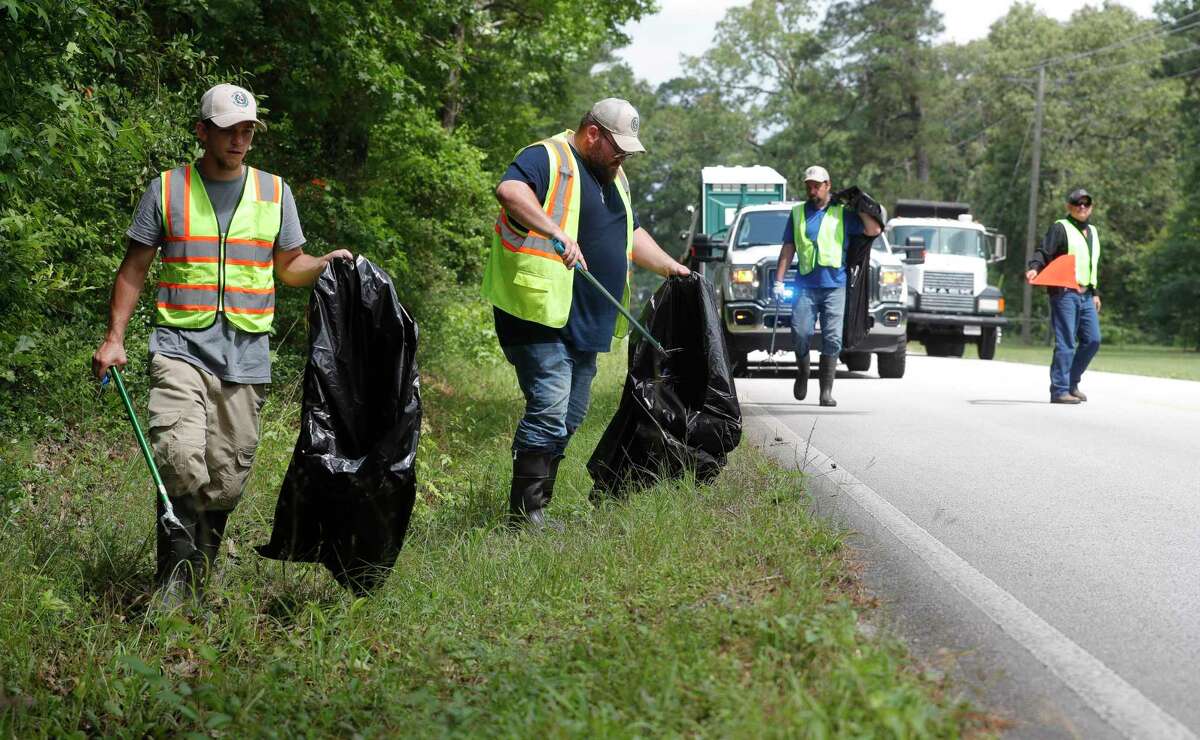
[{"x": 726, "y": 189}]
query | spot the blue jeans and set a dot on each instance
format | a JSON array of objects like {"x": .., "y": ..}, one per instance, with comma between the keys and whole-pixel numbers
[
  {"x": 830, "y": 305},
  {"x": 1076, "y": 338},
  {"x": 557, "y": 383}
]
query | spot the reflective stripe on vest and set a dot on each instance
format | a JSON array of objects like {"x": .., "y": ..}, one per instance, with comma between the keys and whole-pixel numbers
[
  {"x": 831, "y": 237},
  {"x": 523, "y": 276},
  {"x": 1087, "y": 270},
  {"x": 205, "y": 271}
]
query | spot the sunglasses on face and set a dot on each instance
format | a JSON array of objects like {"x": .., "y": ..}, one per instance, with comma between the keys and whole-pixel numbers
[
  {"x": 1085, "y": 204},
  {"x": 618, "y": 152}
]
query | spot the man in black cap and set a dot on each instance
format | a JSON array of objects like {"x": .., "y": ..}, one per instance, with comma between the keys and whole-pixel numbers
[{"x": 1074, "y": 312}]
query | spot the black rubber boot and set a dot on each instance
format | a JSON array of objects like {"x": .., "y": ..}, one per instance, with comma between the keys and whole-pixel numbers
[
  {"x": 186, "y": 557},
  {"x": 526, "y": 498},
  {"x": 828, "y": 371},
  {"x": 209, "y": 531},
  {"x": 548, "y": 488},
  {"x": 177, "y": 555},
  {"x": 800, "y": 387}
]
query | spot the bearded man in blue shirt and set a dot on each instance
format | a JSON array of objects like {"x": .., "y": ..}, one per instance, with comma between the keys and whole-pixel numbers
[{"x": 821, "y": 230}]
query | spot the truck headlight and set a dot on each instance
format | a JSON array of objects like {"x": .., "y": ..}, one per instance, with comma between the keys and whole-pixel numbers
[
  {"x": 991, "y": 305},
  {"x": 891, "y": 285},
  {"x": 745, "y": 284}
]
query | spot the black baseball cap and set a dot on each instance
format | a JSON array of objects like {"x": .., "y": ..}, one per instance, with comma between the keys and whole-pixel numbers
[{"x": 1078, "y": 195}]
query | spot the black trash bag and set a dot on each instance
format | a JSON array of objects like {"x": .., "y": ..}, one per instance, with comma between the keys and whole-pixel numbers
[
  {"x": 349, "y": 491},
  {"x": 677, "y": 413},
  {"x": 857, "y": 318}
]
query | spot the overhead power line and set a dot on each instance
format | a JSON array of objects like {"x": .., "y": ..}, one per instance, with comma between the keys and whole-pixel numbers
[
  {"x": 1161, "y": 31},
  {"x": 1132, "y": 62}
]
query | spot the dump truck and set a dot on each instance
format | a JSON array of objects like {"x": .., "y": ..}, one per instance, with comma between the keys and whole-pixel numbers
[{"x": 946, "y": 254}]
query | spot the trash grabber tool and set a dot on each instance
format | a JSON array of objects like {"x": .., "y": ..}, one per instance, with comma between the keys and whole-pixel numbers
[
  {"x": 168, "y": 517},
  {"x": 774, "y": 331},
  {"x": 559, "y": 248}
]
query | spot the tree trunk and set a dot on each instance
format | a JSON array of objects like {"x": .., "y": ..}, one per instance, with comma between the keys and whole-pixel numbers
[
  {"x": 452, "y": 100},
  {"x": 919, "y": 151}
]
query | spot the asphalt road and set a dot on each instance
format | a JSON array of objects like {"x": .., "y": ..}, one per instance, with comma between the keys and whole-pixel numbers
[{"x": 1046, "y": 556}]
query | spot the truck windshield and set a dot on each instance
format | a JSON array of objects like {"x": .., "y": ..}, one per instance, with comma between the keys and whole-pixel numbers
[
  {"x": 943, "y": 239},
  {"x": 760, "y": 228}
]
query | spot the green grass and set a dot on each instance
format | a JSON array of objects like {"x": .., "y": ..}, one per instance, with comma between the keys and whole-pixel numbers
[
  {"x": 722, "y": 610},
  {"x": 1160, "y": 362}
]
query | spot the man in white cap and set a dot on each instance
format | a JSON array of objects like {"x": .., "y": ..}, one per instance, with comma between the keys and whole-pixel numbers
[
  {"x": 818, "y": 232},
  {"x": 551, "y": 323},
  {"x": 223, "y": 229}
]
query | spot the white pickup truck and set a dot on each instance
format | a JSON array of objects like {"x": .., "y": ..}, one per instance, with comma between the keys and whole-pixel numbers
[{"x": 743, "y": 270}]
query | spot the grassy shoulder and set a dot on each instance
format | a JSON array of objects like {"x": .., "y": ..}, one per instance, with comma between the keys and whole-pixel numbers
[
  {"x": 1160, "y": 362},
  {"x": 723, "y": 610}
]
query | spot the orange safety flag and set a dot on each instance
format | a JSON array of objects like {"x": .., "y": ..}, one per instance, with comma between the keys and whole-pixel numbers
[{"x": 1060, "y": 273}]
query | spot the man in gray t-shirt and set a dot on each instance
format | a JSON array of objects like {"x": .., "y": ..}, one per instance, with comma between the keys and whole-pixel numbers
[
  {"x": 229, "y": 354},
  {"x": 224, "y": 228}
]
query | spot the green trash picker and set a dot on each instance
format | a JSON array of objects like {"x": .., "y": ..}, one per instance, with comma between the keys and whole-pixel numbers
[
  {"x": 168, "y": 519},
  {"x": 559, "y": 247}
]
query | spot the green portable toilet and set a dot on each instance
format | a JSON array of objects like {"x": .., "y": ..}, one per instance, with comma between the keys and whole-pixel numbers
[{"x": 726, "y": 189}]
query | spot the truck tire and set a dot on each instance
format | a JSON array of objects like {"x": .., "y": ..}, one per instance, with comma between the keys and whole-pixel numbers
[
  {"x": 891, "y": 364},
  {"x": 943, "y": 348},
  {"x": 858, "y": 362},
  {"x": 987, "y": 344}
]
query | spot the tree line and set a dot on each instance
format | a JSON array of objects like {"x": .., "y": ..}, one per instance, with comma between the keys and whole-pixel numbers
[
  {"x": 392, "y": 120},
  {"x": 866, "y": 88}
]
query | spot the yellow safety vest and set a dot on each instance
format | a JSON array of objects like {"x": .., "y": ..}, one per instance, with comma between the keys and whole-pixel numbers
[
  {"x": 827, "y": 252},
  {"x": 524, "y": 276},
  {"x": 204, "y": 271},
  {"x": 1087, "y": 269}
]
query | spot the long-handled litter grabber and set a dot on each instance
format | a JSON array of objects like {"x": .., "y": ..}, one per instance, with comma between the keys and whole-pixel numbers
[
  {"x": 168, "y": 517},
  {"x": 774, "y": 331},
  {"x": 560, "y": 248}
]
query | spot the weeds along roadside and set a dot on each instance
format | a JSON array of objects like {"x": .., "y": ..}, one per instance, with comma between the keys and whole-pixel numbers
[{"x": 723, "y": 609}]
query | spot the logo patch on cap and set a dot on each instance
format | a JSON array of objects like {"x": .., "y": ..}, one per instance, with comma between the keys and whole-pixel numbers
[
  {"x": 239, "y": 99},
  {"x": 633, "y": 125}
]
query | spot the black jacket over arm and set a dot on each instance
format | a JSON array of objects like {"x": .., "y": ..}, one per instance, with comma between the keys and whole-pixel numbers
[{"x": 858, "y": 268}]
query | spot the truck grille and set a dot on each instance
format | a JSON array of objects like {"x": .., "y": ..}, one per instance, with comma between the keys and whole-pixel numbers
[
  {"x": 948, "y": 291},
  {"x": 936, "y": 302}
]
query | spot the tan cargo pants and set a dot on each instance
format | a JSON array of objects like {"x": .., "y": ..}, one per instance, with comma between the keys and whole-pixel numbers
[{"x": 203, "y": 431}]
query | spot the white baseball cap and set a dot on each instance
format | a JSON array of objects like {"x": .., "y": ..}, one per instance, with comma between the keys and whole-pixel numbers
[
  {"x": 226, "y": 105},
  {"x": 816, "y": 173},
  {"x": 621, "y": 120}
]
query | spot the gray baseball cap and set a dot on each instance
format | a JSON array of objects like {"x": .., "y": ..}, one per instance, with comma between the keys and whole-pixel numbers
[
  {"x": 621, "y": 120},
  {"x": 226, "y": 105},
  {"x": 816, "y": 173}
]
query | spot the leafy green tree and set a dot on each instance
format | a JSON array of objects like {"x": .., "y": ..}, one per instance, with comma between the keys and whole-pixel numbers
[
  {"x": 1173, "y": 267},
  {"x": 887, "y": 50},
  {"x": 1103, "y": 120},
  {"x": 87, "y": 121}
]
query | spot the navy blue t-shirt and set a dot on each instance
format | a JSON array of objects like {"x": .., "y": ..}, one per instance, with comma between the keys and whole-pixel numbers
[
  {"x": 823, "y": 277},
  {"x": 601, "y": 238}
]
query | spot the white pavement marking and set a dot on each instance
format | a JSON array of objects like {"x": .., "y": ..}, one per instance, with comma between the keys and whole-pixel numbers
[{"x": 1115, "y": 700}]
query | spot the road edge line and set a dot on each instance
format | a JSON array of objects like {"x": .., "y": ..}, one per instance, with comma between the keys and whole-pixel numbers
[{"x": 1115, "y": 700}]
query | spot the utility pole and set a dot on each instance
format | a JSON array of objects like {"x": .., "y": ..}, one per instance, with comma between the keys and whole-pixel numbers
[{"x": 1031, "y": 226}]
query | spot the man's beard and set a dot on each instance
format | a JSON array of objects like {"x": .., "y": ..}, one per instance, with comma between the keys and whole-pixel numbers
[{"x": 600, "y": 170}]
